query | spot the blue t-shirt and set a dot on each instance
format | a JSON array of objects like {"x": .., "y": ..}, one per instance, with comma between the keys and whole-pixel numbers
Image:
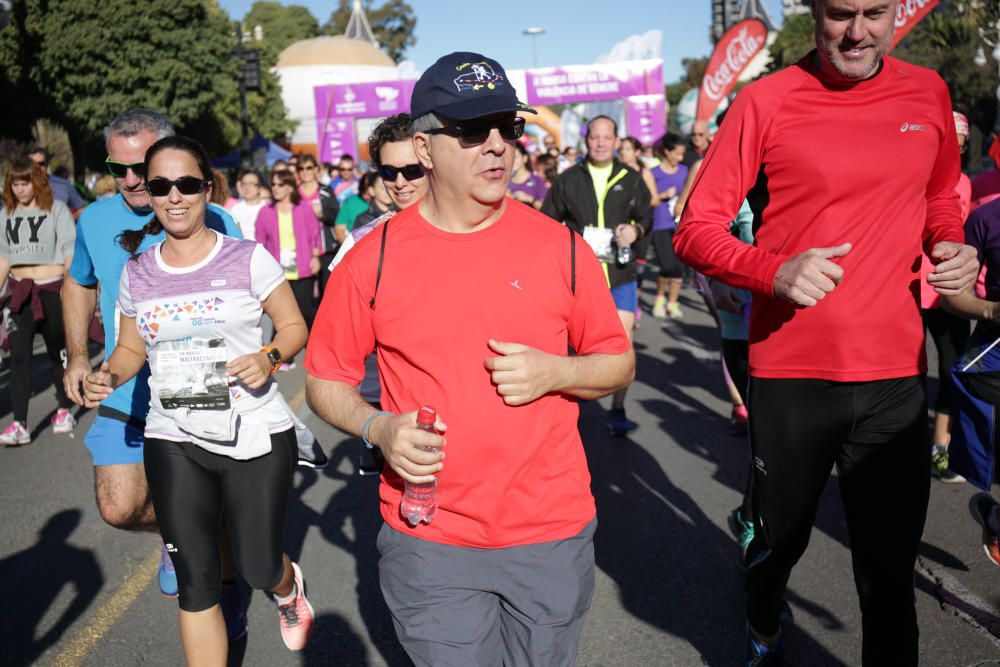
[
  {"x": 64, "y": 191},
  {"x": 98, "y": 258},
  {"x": 735, "y": 327}
]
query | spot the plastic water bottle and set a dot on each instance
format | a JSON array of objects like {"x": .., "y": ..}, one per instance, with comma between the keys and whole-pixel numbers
[{"x": 420, "y": 500}]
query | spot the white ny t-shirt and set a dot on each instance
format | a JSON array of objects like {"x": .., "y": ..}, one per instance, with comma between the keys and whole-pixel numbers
[{"x": 195, "y": 320}]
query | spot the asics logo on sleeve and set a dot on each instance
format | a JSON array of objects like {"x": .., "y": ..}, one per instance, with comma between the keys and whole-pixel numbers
[
  {"x": 912, "y": 127},
  {"x": 516, "y": 284}
]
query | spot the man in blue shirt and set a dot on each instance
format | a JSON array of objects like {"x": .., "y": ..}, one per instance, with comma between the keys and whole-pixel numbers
[{"x": 62, "y": 189}]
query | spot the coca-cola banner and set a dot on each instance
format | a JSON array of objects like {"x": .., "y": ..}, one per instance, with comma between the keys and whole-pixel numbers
[
  {"x": 731, "y": 56},
  {"x": 908, "y": 14},
  {"x": 593, "y": 83}
]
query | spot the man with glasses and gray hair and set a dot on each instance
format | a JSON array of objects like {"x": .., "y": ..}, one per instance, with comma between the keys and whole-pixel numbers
[{"x": 468, "y": 317}]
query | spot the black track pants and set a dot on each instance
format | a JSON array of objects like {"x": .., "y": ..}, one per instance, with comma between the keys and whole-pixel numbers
[
  {"x": 193, "y": 488},
  {"x": 22, "y": 339},
  {"x": 876, "y": 434}
]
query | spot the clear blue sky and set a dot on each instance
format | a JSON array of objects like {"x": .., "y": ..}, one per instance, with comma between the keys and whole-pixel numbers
[{"x": 576, "y": 32}]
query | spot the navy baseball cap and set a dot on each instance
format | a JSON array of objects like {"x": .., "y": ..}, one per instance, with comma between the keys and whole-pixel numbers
[{"x": 464, "y": 85}]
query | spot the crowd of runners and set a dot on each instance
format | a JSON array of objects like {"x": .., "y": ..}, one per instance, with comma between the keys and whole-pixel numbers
[{"x": 500, "y": 285}]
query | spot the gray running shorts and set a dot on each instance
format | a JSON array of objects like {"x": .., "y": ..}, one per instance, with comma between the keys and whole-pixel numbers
[{"x": 467, "y": 607}]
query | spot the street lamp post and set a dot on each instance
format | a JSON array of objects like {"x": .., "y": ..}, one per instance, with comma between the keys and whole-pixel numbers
[{"x": 533, "y": 33}]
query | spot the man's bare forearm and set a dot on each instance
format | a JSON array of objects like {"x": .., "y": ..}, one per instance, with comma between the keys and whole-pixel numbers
[
  {"x": 78, "y": 303},
  {"x": 338, "y": 404},
  {"x": 596, "y": 375}
]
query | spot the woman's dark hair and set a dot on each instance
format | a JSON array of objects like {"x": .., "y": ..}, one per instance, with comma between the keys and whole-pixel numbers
[
  {"x": 669, "y": 142},
  {"x": 635, "y": 143},
  {"x": 130, "y": 240},
  {"x": 288, "y": 178}
]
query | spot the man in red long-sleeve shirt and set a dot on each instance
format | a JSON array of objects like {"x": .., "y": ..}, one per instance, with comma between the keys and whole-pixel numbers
[{"x": 849, "y": 160}]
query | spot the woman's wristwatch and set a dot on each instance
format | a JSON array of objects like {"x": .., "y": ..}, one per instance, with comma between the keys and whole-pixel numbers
[{"x": 273, "y": 357}]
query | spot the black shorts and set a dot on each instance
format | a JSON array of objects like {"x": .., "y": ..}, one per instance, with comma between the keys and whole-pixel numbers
[
  {"x": 663, "y": 243},
  {"x": 192, "y": 488}
]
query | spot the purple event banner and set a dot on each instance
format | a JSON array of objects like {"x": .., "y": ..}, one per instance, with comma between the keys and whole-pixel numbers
[
  {"x": 591, "y": 83},
  {"x": 645, "y": 117},
  {"x": 338, "y": 105}
]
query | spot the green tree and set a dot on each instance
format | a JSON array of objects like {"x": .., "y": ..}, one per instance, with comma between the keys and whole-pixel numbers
[
  {"x": 84, "y": 62},
  {"x": 694, "y": 70},
  {"x": 392, "y": 22},
  {"x": 794, "y": 40},
  {"x": 280, "y": 26}
]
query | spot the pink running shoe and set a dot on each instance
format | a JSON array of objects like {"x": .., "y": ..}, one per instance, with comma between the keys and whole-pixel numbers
[
  {"x": 63, "y": 421},
  {"x": 296, "y": 618},
  {"x": 15, "y": 434}
]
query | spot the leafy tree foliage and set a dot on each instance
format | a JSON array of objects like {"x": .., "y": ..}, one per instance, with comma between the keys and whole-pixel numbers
[
  {"x": 794, "y": 40},
  {"x": 392, "y": 22},
  {"x": 79, "y": 63},
  {"x": 281, "y": 26}
]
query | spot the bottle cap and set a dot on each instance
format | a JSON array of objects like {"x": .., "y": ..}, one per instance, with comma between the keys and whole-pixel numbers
[{"x": 426, "y": 415}]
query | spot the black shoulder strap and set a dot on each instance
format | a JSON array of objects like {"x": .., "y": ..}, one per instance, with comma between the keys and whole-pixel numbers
[
  {"x": 572, "y": 259},
  {"x": 381, "y": 256}
]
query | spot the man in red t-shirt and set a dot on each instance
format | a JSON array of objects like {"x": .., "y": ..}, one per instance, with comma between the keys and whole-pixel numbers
[
  {"x": 471, "y": 301},
  {"x": 850, "y": 160}
]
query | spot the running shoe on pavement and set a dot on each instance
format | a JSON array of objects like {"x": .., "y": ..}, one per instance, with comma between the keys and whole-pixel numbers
[
  {"x": 739, "y": 420},
  {"x": 759, "y": 655},
  {"x": 939, "y": 466},
  {"x": 660, "y": 307},
  {"x": 982, "y": 506},
  {"x": 296, "y": 618},
  {"x": 63, "y": 421},
  {"x": 233, "y": 611},
  {"x": 166, "y": 576},
  {"x": 743, "y": 531},
  {"x": 674, "y": 311},
  {"x": 619, "y": 424},
  {"x": 310, "y": 453},
  {"x": 15, "y": 434}
]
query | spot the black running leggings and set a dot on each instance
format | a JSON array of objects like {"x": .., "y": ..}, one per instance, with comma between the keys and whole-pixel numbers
[
  {"x": 192, "y": 489},
  {"x": 950, "y": 334},
  {"x": 22, "y": 331},
  {"x": 302, "y": 289},
  {"x": 876, "y": 434},
  {"x": 736, "y": 354}
]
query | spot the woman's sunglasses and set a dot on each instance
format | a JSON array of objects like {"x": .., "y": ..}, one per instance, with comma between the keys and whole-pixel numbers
[
  {"x": 186, "y": 185},
  {"x": 410, "y": 172},
  {"x": 477, "y": 131},
  {"x": 120, "y": 169}
]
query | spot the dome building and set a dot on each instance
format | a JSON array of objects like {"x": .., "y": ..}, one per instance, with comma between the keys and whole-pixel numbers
[{"x": 353, "y": 57}]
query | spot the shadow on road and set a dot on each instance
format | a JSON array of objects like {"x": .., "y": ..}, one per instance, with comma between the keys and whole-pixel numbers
[
  {"x": 350, "y": 521},
  {"x": 33, "y": 579}
]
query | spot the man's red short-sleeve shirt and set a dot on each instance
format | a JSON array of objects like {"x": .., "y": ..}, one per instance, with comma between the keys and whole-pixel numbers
[{"x": 512, "y": 475}]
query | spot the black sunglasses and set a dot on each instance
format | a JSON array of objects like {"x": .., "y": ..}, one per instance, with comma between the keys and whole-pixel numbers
[
  {"x": 410, "y": 172},
  {"x": 120, "y": 169},
  {"x": 478, "y": 130},
  {"x": 186, "y": 185}
]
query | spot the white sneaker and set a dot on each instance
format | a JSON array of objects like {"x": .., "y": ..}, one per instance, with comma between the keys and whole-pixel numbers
[
  {"x": 15, "y": 434},
  {"x": 63, "y": 421}
]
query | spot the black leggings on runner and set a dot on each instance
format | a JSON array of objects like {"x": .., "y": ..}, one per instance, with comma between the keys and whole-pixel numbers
[
  {"x": 736, "y": 354},
  {"x": 303, "y": 291},
  {"x": 876, "y": 434},
  {"x": 22, "y": 331},
  {"x": 666, "y": 258},
  {"x": 950, "y": 334},
  {"x": 192, "y": 489}
]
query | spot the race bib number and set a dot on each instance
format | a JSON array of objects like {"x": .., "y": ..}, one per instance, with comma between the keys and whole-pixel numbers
[
  {"x": 192, "y": 374},
  {"x": 600, "y": 241},
  {"x": 287, "y": 259}
]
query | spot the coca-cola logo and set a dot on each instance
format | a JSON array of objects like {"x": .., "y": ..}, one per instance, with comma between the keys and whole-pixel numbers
[
  {"x": 738, "y": 54},
  {"x": 907, "y": 9}
]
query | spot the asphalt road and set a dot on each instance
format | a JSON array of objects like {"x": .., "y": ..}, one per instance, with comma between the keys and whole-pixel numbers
[{"x": 669, "y": 592}]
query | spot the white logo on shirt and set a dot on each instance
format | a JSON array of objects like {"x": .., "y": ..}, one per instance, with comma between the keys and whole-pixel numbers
[
  {"x": 515, "y": 284},
  {"x": 912, "y": 127},
  {"x": 170, "y": 548},
  {"x": 221, "y": 282}
]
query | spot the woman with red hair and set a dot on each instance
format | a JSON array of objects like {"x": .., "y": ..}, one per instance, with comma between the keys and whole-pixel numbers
[{"x": 35, "y": 249}]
